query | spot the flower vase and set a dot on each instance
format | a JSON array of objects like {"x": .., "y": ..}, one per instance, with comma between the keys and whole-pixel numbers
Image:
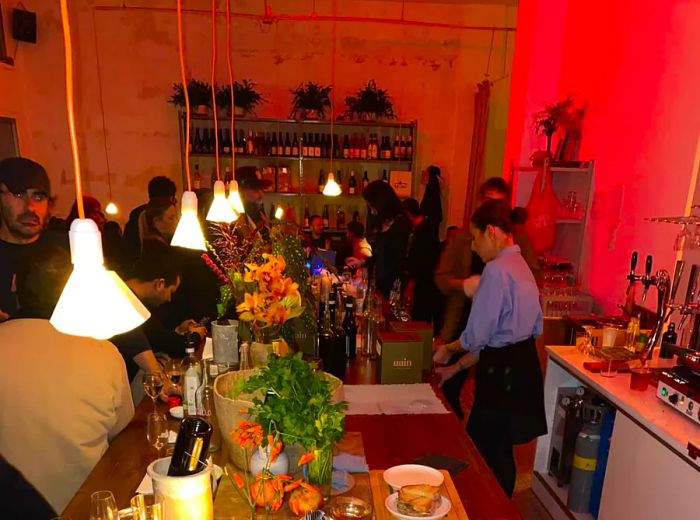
[
  {"x": 259, "y": 461},
  {"x": 320, "y": 470}
]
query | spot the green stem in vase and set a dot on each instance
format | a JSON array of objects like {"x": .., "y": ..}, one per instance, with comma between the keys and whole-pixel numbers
[{"x": 320, "y": 469}]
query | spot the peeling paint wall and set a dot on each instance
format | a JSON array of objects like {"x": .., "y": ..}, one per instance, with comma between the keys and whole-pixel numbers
[{"x": 430, "y": 72}]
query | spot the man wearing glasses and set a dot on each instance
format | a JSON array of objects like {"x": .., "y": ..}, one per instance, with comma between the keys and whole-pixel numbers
[{"x": 25, "y": 200}]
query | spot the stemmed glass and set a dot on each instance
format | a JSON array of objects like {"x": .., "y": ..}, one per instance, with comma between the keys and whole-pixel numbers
[
  {"x": 153, "y": 384},
  {"x": 157, "y": 430},
  {"x": 146, "y": 507},
  {"x": 103, "y": 506},
  {"x": 173, "y": 371}
]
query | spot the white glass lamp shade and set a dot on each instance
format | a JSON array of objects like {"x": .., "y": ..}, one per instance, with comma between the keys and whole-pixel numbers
[
  {"x": 234, "y": 197},
  {"x": 111, "y": 209},
  {"x": 331, "y": 189},
  {"x": 221, "y": 210},
  {"x": 189, "y": 232},
  {"x": 279, "y": 213},
  {"x": 95, "y": 302}
]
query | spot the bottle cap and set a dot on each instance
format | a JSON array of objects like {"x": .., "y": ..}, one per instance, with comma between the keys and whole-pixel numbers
[
  {"x": 189, "y": 350},
  {"x": 174, "y": 400}
]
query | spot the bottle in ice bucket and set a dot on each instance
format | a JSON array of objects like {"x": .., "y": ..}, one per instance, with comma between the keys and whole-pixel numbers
[{"x": 191, "y": 447}]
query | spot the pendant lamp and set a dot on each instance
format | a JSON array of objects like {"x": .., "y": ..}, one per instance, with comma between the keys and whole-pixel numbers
[
  {"x": 331, "y": 189},
  {"x": 234, "y": 197},
  {"x": 279, "y": 213},
  {"x": 111, "y": 209},
  {"x": 95, "y": 302},
  {"x": 189, "y": 231},
  {"x": 221, "y": 209}
]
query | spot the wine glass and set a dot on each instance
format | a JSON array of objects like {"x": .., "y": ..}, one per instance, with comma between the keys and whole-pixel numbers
[
  {"x": 153, "y": 384},
  {"x": 157, "y": 430},
  {"x": 103, "y": 506},
  {"x": 173, "y": 371},
  {"x": 146, "y": 507}
]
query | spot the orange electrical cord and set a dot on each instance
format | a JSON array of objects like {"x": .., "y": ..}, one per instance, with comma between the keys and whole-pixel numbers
[
  {"x": 187, "y": 96},
  {"x": 213, "y": 87},
  {"x": 230, "y": 84},
  {"x": 69, "y": 105}
]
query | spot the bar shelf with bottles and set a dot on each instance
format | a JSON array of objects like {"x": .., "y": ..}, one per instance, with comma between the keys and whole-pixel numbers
[{"x": 297, "y": 155}]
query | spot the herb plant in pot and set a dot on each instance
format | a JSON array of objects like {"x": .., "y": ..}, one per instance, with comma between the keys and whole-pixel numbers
[
  {"x": 199, "y": 93},
  {"x": 310, "y": 101},
  {"x": 370, "y": 103},
  {"x": 245, "y": 97}
]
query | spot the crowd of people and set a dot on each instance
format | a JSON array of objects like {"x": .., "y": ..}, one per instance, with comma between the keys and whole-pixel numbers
[{"x": 58, "y": 415}]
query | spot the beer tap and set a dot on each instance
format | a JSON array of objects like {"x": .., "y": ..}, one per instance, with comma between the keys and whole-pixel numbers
[
  {"x": 647, "y": 279},
  {"x": 633, "y": 277}
]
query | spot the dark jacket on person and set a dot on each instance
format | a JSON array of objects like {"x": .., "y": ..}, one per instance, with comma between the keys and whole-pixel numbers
[
  {"x": 389, "y": 254},
  {"x": 131, "y": 237}
]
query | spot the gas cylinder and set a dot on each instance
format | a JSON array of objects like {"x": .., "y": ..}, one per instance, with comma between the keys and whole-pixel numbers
[{"x": 584, "y": 465}]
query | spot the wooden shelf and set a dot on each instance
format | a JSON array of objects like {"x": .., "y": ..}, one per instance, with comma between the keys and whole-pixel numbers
[
  {"x": 266, "y": 120},
  {"x": 283, "y": 157}
]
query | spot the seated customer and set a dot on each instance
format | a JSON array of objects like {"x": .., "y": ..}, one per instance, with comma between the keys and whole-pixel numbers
[
  {"x": 62, "y": 398},
  {"x": 153, "y": 279}
]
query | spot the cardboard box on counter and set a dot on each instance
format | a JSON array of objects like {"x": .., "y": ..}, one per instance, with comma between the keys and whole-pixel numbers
[
  {"x": 425, "y": 331},
  {"x": 400, "y": 358}
]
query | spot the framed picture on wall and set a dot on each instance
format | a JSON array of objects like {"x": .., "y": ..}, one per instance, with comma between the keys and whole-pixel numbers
[{"x": 401, "y": 182}]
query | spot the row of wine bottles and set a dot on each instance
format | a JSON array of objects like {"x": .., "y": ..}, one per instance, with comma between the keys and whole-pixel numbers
[
  {"x": 272, "y": 144},
  {"x": 337, "y": 336}
]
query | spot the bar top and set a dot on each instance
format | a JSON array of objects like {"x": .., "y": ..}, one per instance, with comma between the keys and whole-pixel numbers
[{"x": 666, "y": 424}]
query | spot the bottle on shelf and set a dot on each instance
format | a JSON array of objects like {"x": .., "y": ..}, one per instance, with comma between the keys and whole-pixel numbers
[
  {"x": 385, "y": 177},
  {"x": 213, "y": 177},
  {"x": 317, "y": 145},
  {"x": 197, "y": 177},
  {"x": 325, "y": 218},
  {"x": 397, "y": 147},
  {"x": 220, "y": 140},
  {"x": 409, "y": 147},
  {"x": 197, "y": 144},
  {"x": 228, "y": 176},
  {"x": 226, "y": 146},
  {"x": 274, "y": 146},
  {"x": 403, "y": 147},
  {"x": 346, "y": 147},
  {"x": 295, "y": 146},
  {"x": 352, "y": 183},
  {"x": 190, "y": 144},
  {"x": 340, "y": 218},
  {"x": 385, "y": 150},
  {"x": 350, "y": 328},
  {"x": 205, "y": 141},
  {"x": 337, "y": 149},
  {"x": 306, "y": 216},
  {"x": 321, "y": 180},
  {"x": 339, "y": 178},
  {"x": 287, "y": 146},
  {"x": 250, "y": 143},
  {"x": 365, "y": 181},
  {"x": 355, "y": 147},
  {"x": 240, "y": 142},
  {"x": 280, "y": 144},
  {"x": 304, "y": 145},
  {"x": 363, "y": 147}
]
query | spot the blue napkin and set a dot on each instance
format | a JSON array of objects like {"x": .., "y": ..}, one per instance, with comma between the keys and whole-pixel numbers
[
  {"x": 350, "y": 463},
  {"x": 341, "y": 481}
]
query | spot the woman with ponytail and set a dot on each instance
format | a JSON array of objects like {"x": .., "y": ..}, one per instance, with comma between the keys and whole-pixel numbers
[{"x": 500, "y": 339}]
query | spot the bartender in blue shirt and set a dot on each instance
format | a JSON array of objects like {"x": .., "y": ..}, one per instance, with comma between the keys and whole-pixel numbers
[{"x": 500, "y": 339}]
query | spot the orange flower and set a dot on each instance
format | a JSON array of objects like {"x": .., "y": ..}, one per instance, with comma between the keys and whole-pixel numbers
[
  {"x": 239, "y": 480},
  {"x": 292, "y": 485},
  {"x": 306, "y": 458}
]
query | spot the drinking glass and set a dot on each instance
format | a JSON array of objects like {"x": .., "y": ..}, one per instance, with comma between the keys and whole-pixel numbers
[
  {"x": 153, "y": 384},
  {"x": 103, "y": 506},
  {"x": 157, "y": 430},
  {"x": 146, "y": 507},
  {"x": 173, "y": 371},
  {"x": 681, "y": 239}
]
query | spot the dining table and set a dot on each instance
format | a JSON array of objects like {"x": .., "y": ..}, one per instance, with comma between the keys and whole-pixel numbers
[{"x": 388, "y": 440}]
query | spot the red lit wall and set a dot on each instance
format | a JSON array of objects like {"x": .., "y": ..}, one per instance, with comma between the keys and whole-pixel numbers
[{"x": 636, "y": 66}]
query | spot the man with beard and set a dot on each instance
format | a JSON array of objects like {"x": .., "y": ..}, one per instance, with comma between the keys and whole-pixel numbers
[{"x": 25, "y": 200}]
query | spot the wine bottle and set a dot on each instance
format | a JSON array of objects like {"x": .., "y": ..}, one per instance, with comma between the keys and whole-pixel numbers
[
  {"x": 219, "y": 139},
  {"x": 321, "y": 181},
  {"x": 325, "y": 217},
  {"x": 190, "y": 144},
  {"x": 339, "y": 178},
  {"x": 365, "y": 181},
  {"x": 280, "y": 145},
  {"x": 197, "y": 144},
  {"x": 250, "y": 143},
  {"x": 228, "y": 176},
  {"x": 339, "y": 358},
  {"x": 363, "y": 147},
  {"x": 192, "y": 372},
  {"x": 287, "y": 146},
  {"x": 403, "y": 147},
  {"x": 197, "y": 177},
  {"x": 306, "y": 217},
  {"x": 337, "y": 149},
  {"x": 409, "y": 148},
  {"x": 397, "y": 148},
  {"x": 354, "y": 150},
  {"x": 317, "y": 145},
  {"x": 340, "y": 218},
  {"x": 346, "y": 147},
  {"x": 191, "y": 447},
  {"x": 304, "y": 145},
  {"x": 274, "y": 147},
  {"x": 295, "y": 146},
  {"x": 352, "y": 183},
  {"x": 350, "y": 328},
  {"x": 226, "y": 145},
  {"x": 385, "y": 177}
]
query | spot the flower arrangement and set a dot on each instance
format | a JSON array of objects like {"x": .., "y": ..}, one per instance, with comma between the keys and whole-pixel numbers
[
  {"x": 267, "y": 490},
  {"x": 370, "y": 102}
]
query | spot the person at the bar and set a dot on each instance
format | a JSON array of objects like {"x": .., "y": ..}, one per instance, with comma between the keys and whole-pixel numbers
[
  {"x": 158, "y": 187},
  {"x": 500, "y": 339},
  {"x": 251, "y": 187},
  {"x": 316, "y": 237},
  {"x": 361, "y": 249},
  {"x": 391, "y": 243}
]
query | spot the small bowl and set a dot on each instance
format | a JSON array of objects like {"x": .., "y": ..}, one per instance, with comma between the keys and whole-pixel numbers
[
  {"x": 350, "y": 508},
  {"x": 177, "y": 411}
]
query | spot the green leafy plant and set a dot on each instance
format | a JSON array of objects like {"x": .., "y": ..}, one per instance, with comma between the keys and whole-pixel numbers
[
  {"x": 310, "y": 97},
  {"x": 245, "y": 96},
  {"x": 199, "y": 93},
  {"x": 370, "y": 100},
  {"x": 297, "y": 403}
]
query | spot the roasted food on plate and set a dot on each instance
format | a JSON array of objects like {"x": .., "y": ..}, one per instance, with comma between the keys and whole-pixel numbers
[{"x": 418, "y": 499}]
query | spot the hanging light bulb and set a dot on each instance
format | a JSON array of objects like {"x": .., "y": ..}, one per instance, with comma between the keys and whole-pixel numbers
[
  {"x": 189, "y": 232},
  {"x": 111, "y": 209},
  {"x": 331, "y": 189},
  {"x": 234, "y": 197},
  {"x": 221, "y": 210},
  {"x": 95, "y": 302},
  {"x": 279, "y": 213}
]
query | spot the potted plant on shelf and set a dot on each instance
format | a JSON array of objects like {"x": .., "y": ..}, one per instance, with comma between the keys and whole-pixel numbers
[
  {"x": 370, "y": 103},
  {"x": 199, "y": 93},
  {"x": 245, "y": 96},
  {"x": 565, "y": 117},
  {"x": 310, "y": 101}
]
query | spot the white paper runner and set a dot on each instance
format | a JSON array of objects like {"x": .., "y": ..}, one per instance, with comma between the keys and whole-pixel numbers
[{"x": 392, "y": 400}]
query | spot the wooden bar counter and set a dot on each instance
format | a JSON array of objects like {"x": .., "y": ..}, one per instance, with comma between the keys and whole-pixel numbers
[{"x": 388, "y": 440}]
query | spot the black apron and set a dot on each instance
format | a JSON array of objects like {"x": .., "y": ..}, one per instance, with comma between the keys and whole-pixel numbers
[{"x": 509, "y": 392}]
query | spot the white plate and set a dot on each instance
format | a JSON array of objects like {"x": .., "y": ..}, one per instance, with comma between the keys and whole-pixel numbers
[
  {"x": 177, "y": 411},
  {"x": 409, "y": 474},
  {"x": 442, "y": 509}
]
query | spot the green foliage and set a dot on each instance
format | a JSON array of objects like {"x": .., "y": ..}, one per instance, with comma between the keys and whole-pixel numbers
[
  {"x": 199, "y": 93},
  {"x": 245, "y": 96},
  {"x": 310, "y": 96},
  {"x": 370, "y": 100},
  {"x": 297, "y": 403}
]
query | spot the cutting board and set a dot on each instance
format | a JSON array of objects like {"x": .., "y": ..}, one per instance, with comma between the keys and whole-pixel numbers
[{"x": 381, "y": 490}]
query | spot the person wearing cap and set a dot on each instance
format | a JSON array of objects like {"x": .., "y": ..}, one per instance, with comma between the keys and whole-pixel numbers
[{"x": 25, "y": 201}]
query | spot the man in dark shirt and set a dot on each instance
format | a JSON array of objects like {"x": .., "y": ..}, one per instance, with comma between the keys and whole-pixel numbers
[
  {"x": 25, "y": 200},
  {"x": 158, "y": 187},
  {"x": 316, "y": 237}
]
